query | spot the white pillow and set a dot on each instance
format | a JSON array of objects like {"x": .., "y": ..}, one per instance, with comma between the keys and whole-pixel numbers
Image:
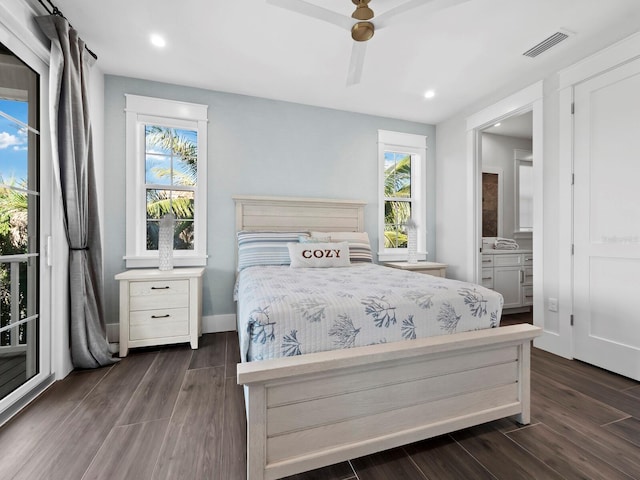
[
  {"x": 359, "y": 246},
  {"x": 319, "y": 255}
]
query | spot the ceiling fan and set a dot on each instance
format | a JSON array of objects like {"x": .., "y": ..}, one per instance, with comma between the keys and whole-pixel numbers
[{"x": 363, "y": 23}]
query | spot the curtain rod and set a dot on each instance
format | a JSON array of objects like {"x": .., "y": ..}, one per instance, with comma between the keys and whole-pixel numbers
[{"x": 53, "y": 10}]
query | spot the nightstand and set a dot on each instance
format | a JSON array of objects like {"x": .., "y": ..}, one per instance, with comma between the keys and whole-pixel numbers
[
  {"x": 430, "y": 268},
  {"x": 160, "y": 307}
]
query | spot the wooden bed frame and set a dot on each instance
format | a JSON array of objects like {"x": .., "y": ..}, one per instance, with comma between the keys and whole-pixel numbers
[{"x": 319, "y": 409}]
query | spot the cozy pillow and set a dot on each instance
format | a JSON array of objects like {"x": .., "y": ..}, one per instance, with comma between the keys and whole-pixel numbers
[
  {"x": 265, "y": 248},
  {"x": 359, "y": 246},
  {"x": 319, "y": 255}
]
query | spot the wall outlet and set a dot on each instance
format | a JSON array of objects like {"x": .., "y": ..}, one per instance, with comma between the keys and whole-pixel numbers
[{"x": 553, "y": 304}]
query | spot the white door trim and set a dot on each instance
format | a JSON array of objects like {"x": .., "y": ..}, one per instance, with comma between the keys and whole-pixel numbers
[{"x": 528, "y": 99}]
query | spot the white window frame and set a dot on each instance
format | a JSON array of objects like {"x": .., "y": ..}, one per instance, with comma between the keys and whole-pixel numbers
[
  {"x": 416, "y": 146},
  {"x": 141, "y": 111}
]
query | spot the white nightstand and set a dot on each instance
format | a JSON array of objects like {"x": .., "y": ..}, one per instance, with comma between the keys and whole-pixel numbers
[
  {"x": 160, "y": 307},
  {"x": 430, "y": 268}
]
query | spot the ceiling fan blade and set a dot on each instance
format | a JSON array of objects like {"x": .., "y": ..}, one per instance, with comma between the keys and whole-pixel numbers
[
  {"x": 383, "y": 19},
  {"x": 357, "y": 62},
  {"x": 314, "y": 11}
]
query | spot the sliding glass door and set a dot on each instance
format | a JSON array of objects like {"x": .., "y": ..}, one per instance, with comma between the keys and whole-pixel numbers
[{"x": 20, "y": 240}]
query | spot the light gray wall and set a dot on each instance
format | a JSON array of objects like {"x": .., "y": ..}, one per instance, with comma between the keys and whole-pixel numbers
[
  {"x": 257, "y": 147},
  {"x": 497, "y": 151}
]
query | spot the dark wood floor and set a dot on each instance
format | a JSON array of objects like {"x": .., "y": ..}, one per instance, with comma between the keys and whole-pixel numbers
[{"x": 170, "y": 413}]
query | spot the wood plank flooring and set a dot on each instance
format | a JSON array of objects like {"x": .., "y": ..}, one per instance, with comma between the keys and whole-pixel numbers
[{"x": 173, "y": 413}]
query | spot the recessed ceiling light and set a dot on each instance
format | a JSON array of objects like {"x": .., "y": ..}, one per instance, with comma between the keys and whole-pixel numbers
[
  {"x": 429, "y": 94},
  {"x": 497, "y": 124},
  {"x": 157, "y": 40}
]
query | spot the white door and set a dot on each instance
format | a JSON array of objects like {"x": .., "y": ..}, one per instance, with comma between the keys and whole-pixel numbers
[
  {"x": 25, "y": 196},
  {"x": 607, "y": 221}
]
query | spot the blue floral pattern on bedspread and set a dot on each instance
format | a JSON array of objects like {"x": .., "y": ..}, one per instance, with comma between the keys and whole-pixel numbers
[{"x": 286, "y": 311}]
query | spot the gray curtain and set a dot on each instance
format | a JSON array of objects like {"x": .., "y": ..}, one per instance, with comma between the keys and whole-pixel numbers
[{"x": 74, "y": 167}]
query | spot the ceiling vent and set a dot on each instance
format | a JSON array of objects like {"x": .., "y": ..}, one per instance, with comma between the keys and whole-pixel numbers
[{"x": 546, "y": 44}]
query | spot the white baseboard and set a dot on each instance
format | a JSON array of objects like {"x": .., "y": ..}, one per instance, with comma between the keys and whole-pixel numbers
[{"x": 210, "y": 324}]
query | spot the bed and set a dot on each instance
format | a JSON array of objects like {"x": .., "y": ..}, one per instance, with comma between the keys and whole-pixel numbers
[{"x": 311, "y": 410}]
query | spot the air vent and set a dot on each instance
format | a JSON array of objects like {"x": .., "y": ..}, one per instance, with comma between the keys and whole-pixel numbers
[{"x": 546, "y": 44}]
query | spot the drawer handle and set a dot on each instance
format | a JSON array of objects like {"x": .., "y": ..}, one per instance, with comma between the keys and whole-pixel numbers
[
  {"x": 160, "y": 288},
  {"x": 486, "y": 261},
  {"x": 160, "y": 316},
  {"x": 487, "y": 278},
  {"x": 530, "y": 259}
]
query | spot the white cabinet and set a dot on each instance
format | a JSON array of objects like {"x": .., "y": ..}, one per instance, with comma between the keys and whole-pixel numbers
[
  {"x": 160, "y": 307},
  {"x": 511, "y": 274},
  {"x": 506, "y": 280}
]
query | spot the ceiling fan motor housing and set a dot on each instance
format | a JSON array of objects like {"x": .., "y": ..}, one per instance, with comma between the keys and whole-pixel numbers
[{"x": 362, "y": 31}]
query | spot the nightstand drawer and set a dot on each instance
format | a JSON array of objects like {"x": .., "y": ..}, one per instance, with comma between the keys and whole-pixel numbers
[
  {"x": 158, "y": 294},
  {"x": 158, "y": 323}
]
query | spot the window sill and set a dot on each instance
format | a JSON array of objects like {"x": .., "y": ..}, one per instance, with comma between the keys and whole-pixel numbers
[{"x": 178, "y": 261}]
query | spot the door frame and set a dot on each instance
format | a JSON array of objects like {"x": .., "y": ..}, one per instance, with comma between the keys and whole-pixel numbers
[{"x": 527, "y": 99}]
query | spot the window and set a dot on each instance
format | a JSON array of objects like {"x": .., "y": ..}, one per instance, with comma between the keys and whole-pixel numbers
[
  {"x": 402, "y": 160},
  {"x": 166, "y": 174}
]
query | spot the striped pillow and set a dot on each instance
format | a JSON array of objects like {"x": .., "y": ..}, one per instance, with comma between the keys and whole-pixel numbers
[
  {"x": 359, "y": 246},
  {"x": 265, "y": 248}
]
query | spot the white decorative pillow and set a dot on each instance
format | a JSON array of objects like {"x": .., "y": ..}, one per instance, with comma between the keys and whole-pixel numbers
[
  {"x": 319, "y": 255},
  {"x": 264, "y": 248},
  {"x": 307, "y": 239},
  {"x": 359, "y": 246}
]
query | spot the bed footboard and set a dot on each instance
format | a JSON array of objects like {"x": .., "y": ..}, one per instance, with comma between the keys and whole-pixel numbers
[{"x": 318, "y": 409}]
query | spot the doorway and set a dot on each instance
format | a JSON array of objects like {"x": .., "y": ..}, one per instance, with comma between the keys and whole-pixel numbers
[{"x": 529, "y": 99}]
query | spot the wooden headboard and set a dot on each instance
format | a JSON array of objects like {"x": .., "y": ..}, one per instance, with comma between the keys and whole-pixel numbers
[{"x": 298, "y": 214}]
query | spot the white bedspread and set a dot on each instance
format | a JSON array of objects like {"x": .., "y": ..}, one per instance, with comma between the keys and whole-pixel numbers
[{"x": 285, "y": 311}]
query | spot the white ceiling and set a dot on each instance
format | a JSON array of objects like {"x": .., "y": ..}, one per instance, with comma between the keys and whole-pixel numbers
[{"x": 464, "y": 53}]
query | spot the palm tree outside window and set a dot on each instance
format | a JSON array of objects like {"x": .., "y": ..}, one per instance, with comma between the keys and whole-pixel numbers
[
  {"x": 397, "y": 202},
  {"x": 171, "y": 172}
]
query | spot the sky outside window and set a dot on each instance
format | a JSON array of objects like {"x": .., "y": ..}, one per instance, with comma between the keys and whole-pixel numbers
[{"x": 13, "y": 141}]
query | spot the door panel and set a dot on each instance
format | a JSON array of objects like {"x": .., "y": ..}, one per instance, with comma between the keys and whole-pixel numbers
[
  {"x": 607, "y": 220},
  {"x": 20, "y": 286}
]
